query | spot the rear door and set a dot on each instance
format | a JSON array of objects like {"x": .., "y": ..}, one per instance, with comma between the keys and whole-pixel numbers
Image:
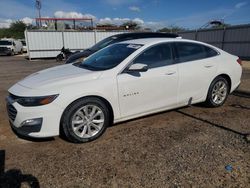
[{"x": 196, "y": 69}]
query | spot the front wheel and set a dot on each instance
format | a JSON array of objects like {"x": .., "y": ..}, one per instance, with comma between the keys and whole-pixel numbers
[
  {"x": 85, "y": 120},
  {"x": 59, "y": 57},
  {"x": 218, "y": 92}
]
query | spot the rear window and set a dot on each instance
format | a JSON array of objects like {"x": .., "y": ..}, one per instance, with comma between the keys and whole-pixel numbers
[
  {"x": 187, "y": 51},
  {"x": 210, "y": 52}
]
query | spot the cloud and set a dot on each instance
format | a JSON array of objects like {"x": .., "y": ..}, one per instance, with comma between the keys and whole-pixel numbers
[
  {"x": 138, "y": 21},
  {"x": 120, "y": 2},
  {"x": 241, "y": 4},
  {"x": 135, "y": 9},
  {"x": 119, "y": 21},
  {"x": 27, "y": 20},
  {"x": 155, "y": 25},
  {"x": 62, "y": 14},
  {"x": 5, "y": 23}
]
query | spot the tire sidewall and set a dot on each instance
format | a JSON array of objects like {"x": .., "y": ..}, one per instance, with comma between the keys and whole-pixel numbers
[{"x": 72, "y": 109}]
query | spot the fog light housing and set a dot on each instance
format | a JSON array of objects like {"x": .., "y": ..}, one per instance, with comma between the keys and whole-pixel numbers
[{"x": 32, "y": 122}]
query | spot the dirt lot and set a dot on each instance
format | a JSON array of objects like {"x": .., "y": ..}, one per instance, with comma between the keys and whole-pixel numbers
[{"x": 179, "y": 148}]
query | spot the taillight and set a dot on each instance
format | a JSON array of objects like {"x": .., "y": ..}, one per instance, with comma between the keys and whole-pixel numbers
[{"x": 239, "y": 61}]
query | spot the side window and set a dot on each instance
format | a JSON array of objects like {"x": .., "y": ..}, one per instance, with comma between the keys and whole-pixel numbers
[
  {"x": 189, "y": 51},
  {"x": 210, "y": 52},
  {"x": 156, "y": 56}
]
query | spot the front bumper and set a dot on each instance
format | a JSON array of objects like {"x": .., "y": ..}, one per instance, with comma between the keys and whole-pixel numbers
[
  {"x": 5, "y": 52},
  {"x": 48, "y": 115}
]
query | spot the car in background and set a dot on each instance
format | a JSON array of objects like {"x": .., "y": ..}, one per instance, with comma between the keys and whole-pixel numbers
[
  {"x": 10, "y": 47},
  {"x": 24, "y": 45},
  {"x": 117, "y": 38},
  {"x": 123, "y": 81}
]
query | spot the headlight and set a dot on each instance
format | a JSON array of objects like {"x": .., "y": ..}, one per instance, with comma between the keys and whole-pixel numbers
[{"x": 36, "y": 101}]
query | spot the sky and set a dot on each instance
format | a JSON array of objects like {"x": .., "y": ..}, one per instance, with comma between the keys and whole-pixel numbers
[{"x": 154, "y": 14}]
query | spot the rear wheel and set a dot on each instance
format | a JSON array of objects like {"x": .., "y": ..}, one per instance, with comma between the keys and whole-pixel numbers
[
  {"x": 85, "y": 120},
  {"x": 218, "y": 92}
]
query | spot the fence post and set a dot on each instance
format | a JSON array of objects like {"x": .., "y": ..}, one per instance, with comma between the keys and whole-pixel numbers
[
  {"x": 223, "y": 38},
  {"x": 95, "y": 36},
  {"x": 63, "y": 38},
  {"x": 27, "y": 42},
  {"x": 196, "y": 34}
]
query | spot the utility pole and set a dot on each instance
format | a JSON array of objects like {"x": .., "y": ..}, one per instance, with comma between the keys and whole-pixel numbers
[{"x": 38, "y": 7}]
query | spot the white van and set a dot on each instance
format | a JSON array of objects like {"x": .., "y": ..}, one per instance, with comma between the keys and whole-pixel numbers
[{"x": 10, "y": 47}]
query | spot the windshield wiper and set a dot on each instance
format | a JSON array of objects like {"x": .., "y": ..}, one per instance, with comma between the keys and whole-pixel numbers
[{"x": 88, "y": 67}]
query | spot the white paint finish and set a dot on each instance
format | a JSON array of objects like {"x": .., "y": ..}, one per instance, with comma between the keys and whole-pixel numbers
[
  {"x": 130, "y": 96},
  {"x": 195, "y": 76},
  {"x": 16, "y": 45},
  {"x": 147, "y": 91}
]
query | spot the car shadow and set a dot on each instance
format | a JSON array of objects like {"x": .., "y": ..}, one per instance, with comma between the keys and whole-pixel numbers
[
  {"x": 240, "y": 93},
  {"x": 243, "y": 135},
  {"x": 15, "y": 177},
  {"x": 240, "y": 106}
]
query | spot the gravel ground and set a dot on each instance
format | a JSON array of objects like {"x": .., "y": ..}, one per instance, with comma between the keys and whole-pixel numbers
[{"x": 187, "y": 147}]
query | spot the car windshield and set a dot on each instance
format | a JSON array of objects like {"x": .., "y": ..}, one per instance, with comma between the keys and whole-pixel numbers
[
  {"x": 5, "y": 42},
  {"x": 109, "y": 57},
  {"x": 103, "y": 43}
]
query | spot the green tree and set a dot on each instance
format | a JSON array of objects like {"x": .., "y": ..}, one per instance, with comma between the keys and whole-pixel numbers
[
  {"x": 130, "y": 25},
  {"x": 4, "y": 33},
  {"x": 16, "y": 30},
  {"x": 172, "y": 29},
  {"x": 220, "y": 26}
]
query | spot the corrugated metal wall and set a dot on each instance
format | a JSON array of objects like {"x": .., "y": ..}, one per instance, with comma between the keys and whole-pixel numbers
[
  {"x": 47, "y": 44},
  {"x": 235, "y": 39}
]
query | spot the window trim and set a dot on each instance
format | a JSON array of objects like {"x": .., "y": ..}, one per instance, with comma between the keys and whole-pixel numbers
[
  {"x": 203, "y": 45},
  {"x": 172, "y": 56}
]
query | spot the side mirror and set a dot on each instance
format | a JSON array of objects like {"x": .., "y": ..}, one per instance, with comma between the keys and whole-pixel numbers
[
  {"x": 137, "y": 67},
  {"x": 14, "y": 44}
]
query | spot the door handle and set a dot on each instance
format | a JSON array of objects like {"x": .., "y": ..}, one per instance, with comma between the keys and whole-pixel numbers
[
  {"x": 170, "y": 73},
  {"x": 208, "y": 66}
]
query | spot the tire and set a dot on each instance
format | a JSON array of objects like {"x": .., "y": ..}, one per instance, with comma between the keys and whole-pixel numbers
[
  {"x": 12, "y": 53},
  {"x": 78, "y": 124},
  {"x": 59, "y": 57},
  {"x": 218, "y": 92}
]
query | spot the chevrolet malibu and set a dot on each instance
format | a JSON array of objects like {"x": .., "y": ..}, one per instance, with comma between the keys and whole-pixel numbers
[{"x": 121, "y": 82}]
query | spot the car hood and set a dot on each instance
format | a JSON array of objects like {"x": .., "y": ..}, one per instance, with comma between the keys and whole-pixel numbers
[
  {"x": 7, "y": 46},
  {"x": 58, "y": 76}
]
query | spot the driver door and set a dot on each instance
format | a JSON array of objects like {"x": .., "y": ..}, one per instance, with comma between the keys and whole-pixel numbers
[{"x": 155, "y": 89}]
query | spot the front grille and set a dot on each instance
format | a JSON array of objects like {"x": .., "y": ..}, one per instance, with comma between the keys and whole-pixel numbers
[
  {"x": 12, "y": 112},
  {"x": 3, "y": 49}
]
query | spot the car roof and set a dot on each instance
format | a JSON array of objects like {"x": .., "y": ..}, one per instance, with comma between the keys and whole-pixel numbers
[
  {"x": 146, "y": 34},
  {"x": 149, "y": 41}
]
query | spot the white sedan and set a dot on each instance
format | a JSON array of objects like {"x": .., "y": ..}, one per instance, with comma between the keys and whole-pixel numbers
[{"x": 120, "y": 82}]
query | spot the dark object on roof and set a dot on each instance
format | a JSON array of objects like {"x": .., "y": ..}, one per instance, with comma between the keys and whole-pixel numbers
[{"x": 117, "y": 38}]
